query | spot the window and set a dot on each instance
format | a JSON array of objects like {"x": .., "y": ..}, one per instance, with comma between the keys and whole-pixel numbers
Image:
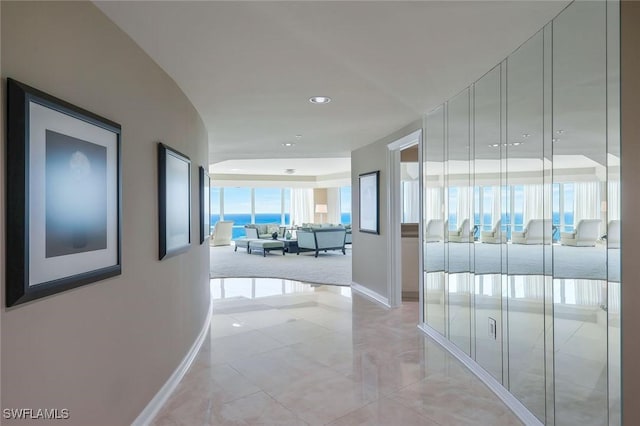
[
  {"x": 214, "y": 202},
  {"x": 250, "y": 205},
  {"x": 268, "y": 205},
  {"x": 237, "y": 207},
  {"x": 345, "y": 204}
]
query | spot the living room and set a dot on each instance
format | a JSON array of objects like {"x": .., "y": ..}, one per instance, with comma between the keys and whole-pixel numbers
[{"x": 272, "y": 211}]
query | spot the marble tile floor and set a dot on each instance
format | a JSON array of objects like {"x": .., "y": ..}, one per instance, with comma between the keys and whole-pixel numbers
[{"x": 319, "y": 355}]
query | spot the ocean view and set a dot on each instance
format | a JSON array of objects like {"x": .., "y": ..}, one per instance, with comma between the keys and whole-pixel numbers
[{"x": 241, "y": 219}]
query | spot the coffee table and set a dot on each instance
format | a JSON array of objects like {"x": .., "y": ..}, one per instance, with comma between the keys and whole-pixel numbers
[{"x": 290, "y": 246}]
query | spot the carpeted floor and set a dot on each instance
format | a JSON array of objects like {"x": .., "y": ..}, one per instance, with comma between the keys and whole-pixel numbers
[
  {"x": 332, "y": 267},
  {"x": 567, "y": 262}
]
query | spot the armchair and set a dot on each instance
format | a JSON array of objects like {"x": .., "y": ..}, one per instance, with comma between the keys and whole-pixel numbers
[
  {"x": 495, "y": 236},
  {"x": 222, "y": 233},
  {"x": 533, "y": 233},
  {"x": 434, "y": 231},
  {"x": 586, "y": 234},
  {"x": 613, "y": 234},
  {"x": 462, "y": 235}
]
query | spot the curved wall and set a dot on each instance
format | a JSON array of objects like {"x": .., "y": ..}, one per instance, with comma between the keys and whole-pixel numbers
[{"x": 102, "y": 351}]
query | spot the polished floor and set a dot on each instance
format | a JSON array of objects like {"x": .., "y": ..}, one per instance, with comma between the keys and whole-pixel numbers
[{"x": 281, "y": 352}]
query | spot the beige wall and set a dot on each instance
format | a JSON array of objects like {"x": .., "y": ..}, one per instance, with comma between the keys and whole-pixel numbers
[
  {"x": 630, "y": 154},
  {"x": 104, "y": 350},
  {"x": 319, "y": 197},
  {"x": 371, "y": 252}
]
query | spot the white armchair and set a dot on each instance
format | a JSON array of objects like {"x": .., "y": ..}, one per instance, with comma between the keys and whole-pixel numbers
[
  {"x": 495, "y": 236},
  {"x": 613, "y": 234},
  {"x": 586, "y": 234},
  {"x": 222, "y": 233},
  {"x": 532, "y": 234},
  {"x": 434, "y": 231},
  {"x": 462, "y": 235}
]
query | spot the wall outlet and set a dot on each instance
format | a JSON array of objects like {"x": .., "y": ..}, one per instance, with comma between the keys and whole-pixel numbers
[{"x": 493, "y": 330}]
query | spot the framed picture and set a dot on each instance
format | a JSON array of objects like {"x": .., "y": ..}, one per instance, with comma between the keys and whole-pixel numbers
[
  {"x": 174, "y": 199},
  {"x": 205, "y": 206},
  {"x": 64, "y": 209},
  {"x": 369, "y": 202}
]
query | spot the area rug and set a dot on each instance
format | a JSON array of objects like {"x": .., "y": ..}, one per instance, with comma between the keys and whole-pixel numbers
[
  {"x": 331, "y": 267},
  {"x": 566, "y": 263}
]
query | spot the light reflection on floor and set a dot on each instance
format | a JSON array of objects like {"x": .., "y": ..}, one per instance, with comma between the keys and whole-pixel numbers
[{"x": 252, "y": 288}]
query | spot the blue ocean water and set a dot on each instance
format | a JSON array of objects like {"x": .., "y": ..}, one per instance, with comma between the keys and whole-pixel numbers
[{"x": 240, "y": 220}]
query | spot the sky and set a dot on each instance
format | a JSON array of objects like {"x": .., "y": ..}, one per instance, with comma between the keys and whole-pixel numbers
[{"x": 238, "y": 200}]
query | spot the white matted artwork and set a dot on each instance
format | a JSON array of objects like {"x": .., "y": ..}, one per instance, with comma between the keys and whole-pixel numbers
[
  {"x": 369, "y": 203},
  {"x": 64, "y": 195},
  {"x": 174, "y": 196}
]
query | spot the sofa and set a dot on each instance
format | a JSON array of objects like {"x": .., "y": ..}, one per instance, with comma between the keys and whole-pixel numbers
[
  {"x": 586, "y": 234},
  {"x": 321, "y": 239},
  {"x": 264, "y": 230}
]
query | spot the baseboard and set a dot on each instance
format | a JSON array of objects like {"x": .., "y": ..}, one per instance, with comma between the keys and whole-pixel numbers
[
  {"x": 154, "y": 406},
  {"x": 410, "y": 296},
  {"x": 496, "y": 387},
  {"x": 370, "y": 294}
]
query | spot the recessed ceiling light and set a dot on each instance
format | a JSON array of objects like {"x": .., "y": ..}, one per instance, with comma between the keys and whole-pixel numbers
[
  {"x": 516, "y": 143},
  {"x": 559, "y": 131},
  {"x": 290, "y": 171},
  {"x": 555, "y": 139},
  {"x": 288, "y": 144},
  {"x": 320, "y": 100},
  {"x": 525, "y": 135},
  {"x": 495, "y": 145},
  {"x": 298, "y": 137}
]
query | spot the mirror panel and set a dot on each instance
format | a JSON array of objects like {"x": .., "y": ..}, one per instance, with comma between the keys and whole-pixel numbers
[
  {"x": 580, "y": 180},
  {"x": 488, "y": 231},
  {"x": 613, "y": 209},
  {"x": 529, "y": 157},
  {"x": 434, "y": 220},
  {"x": 459, "y": 215},
  {"x": 524, "y": 151}
]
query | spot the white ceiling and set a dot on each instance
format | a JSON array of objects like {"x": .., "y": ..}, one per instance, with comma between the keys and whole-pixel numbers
[
  {"x": 250, "y": 67},
  {"x": 277, "y": 166}
]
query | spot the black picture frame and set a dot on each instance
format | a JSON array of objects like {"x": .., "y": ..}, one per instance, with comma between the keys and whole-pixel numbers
[
  {"x": 369, "y": 202},
  {"x": 64, "y": 196},
  {"x": 205, "y": 204},
  {"x": 174, "y": 201}
]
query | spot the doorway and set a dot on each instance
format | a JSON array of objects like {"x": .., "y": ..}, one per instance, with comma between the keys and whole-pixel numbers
[{"x": 405, "y": 218}]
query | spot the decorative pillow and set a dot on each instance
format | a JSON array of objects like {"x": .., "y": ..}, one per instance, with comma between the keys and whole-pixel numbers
[{"x": 273, "y": 228}]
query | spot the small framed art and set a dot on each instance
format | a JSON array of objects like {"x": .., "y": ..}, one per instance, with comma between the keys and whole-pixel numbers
[
  {"x": 205, "y": 206},
  {"x": 174, "y": 201},
  {"x": 64, "y": 210},
  {"x": 369, "y": 193}
]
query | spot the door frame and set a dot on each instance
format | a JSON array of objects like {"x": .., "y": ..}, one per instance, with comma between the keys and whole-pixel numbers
[{"x": 394, "y": 217}]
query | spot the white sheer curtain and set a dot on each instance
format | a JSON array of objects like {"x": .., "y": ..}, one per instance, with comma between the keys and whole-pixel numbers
[
  {"x": 533, "y": 202},
  {"x": 410, "y": 201},
  {"x": 301, "y": 206},
  {"x": 613, "y": 200},
  {"x": 586, "y": 201},
  {"x": 495, "y": 205},
  {"x": 464, "y": 203},
  {"x": 333, "y": 205},
  {"x": 433, "y": 203}
]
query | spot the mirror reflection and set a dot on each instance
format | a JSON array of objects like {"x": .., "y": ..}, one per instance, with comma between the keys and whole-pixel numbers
[{"x": 521, "y": 219}]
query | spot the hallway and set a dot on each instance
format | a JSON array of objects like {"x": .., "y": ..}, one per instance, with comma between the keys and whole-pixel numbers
[{"x": 281, "y": 352}]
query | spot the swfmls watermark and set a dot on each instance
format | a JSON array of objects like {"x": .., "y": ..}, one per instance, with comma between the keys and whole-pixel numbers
[{"x": 35, "y": 413}]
